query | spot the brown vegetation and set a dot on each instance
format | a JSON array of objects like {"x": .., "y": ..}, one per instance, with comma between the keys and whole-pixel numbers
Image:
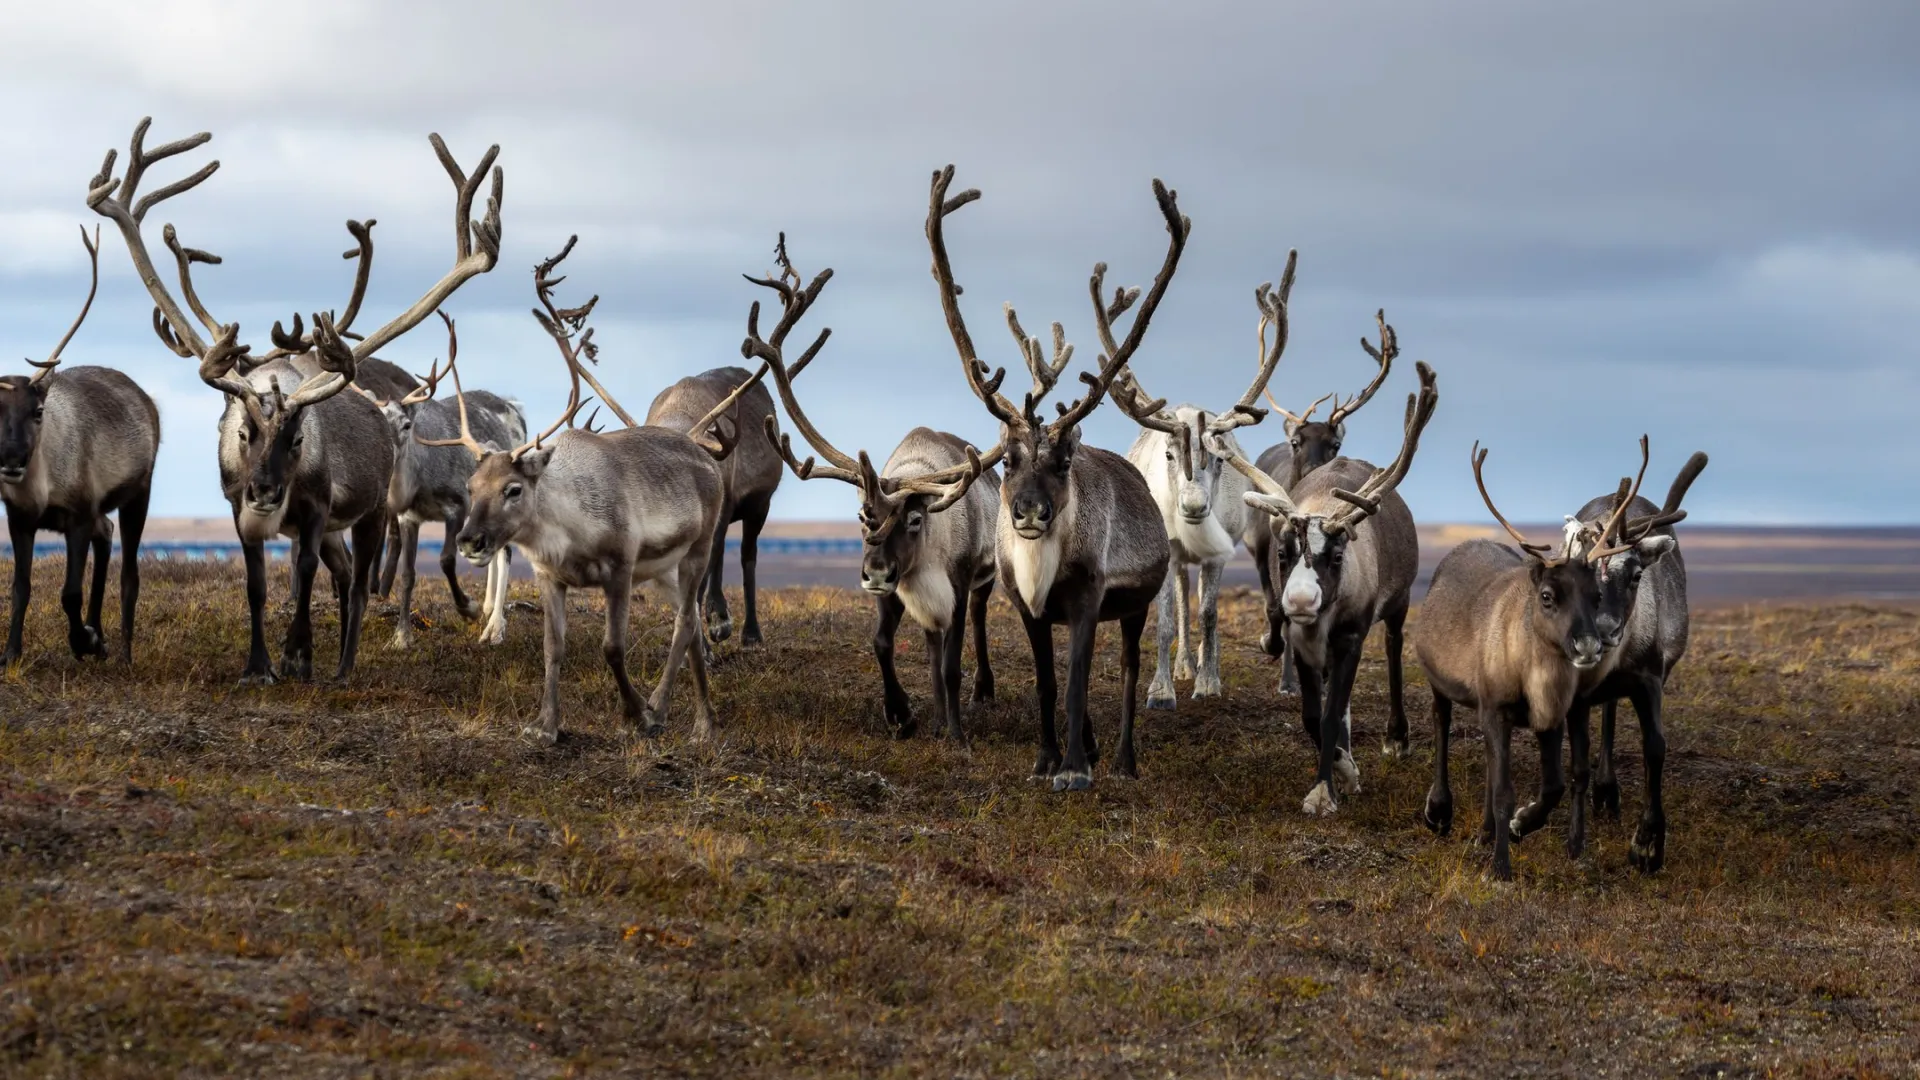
[{"x": 303, "y": 881}]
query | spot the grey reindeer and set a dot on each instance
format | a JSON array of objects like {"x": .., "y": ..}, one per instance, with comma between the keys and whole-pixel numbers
[
  {"x": 77, "y": 444},
  {"x": 928, "y": 521},
  {"x": 607, "y": 510},
  {"x": 1200, "y": 499},
  {"x": 1345, "y": 555},
  {"x": 1309, "y": 444},
  {"x": 1079, "y": 540},
  {"x": 429, "y": 483},
  {"x": 297, "y": 457},
  {"x": 1643, "y": 626}
]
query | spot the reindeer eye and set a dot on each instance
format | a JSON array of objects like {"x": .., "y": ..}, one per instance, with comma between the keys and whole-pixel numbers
[
  {"x": 914, "y": 520},
  {"x": 513, "y": 491},
  {"x": 1169, "y": 455},
  {"x": 1546, "y": 598},
  {"x": 38, "y": 412}
]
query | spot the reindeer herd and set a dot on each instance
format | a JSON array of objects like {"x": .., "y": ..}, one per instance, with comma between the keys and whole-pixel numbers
[{"x": 1531, "y": 634}]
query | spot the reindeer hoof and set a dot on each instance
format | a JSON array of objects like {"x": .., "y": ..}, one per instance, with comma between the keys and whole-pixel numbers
[
  {"x": 1161, "y": 695},
  {"x": 750, "y": 635},
  {"x": 1606, "y": 801},
  {"x": 1396, "y": 749},
  {"x": 1347, "y": 773},
  {"x": 1319, "y": 802},
  {"x": 1045, "y": 766},
  {"x": 1439, "y": 815},
  {"x": 540, "y": 734},
  {"x": 720, "y": 629},
  {"x": 257, "y": 678},
  {"x": 982, "y": 690},
  {"x": 86, "y": 642},
  {"x": 401, "y": 641},
  {"x": 1206, "y": 686},
  {"x": 1649, "y": 851},
  {"x": 495, "y": 633},
  {"x": 1072, "y": 781}
]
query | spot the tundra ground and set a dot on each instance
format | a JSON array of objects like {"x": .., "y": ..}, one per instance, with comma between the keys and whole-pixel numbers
[{"x": 384, "y": 880}]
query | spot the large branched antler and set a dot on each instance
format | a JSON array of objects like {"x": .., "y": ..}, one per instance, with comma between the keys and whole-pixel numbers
[
  {"x": 794, "y": 303},
  {"x": 569, "y": 330},
  {"x": 1532, "y": 550},
  {"x": 473, "y": 446},
  {"x": 985, "y": 387},
  {"x": 1272, "y": 303},
  {"x": 1383, "y": 357},
  {"x": 1636, "y": 529},
  {"x": 1365, "y": 502},
  {"x": 44, "y": 368},
  {"x": 1132, "y": 398}
]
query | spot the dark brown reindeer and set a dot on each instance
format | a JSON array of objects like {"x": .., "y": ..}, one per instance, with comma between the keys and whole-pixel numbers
[
  {"x": 77, "y": 444},
  {"x": 1515, "y": 634},
  {"x": 752, "y": 472},
  {"x": 928, "y": 521},
  {"x": 607, "y": 510},
  {"x": 1079, "y": 537},
  {"x": 1201, "y": 501},
  {"x": 297, "y": 457},
  {"x": 1309, "y": 444},
  {"x": 1345, "y": 555},
  {"x": 1644, "y": 621}
]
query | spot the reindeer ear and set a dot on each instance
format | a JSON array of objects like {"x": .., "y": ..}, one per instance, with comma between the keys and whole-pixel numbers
[
  {"x": 534, "y": 462},
  {"x": 1067, "y": 445},
  {"x": 1652, "y": 549}
]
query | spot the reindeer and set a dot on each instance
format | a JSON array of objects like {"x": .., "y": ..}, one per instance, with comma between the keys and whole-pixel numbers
[
  {"x": 928, "y": 519},
  {"x": 1080, "y": 539},
  {"x": 297, "y": 458},
  {"x": 606, "y": 510},
  {"x": 1309, "y": 444},
  {"x": 1516, "y": 634},
  {"x": 1643, "y": 625},
  {"x": 430, "y": 483},
  {"x": 1200, "y": 500},
  {"x": 1346, "y": 555},
  {"x": 77, "y": 444}
]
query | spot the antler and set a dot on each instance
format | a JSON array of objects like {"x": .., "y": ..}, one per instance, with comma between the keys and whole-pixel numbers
[
  {"x": 1133, "y": 399},
  {"x": 1365, "y": 503},
  {"x": 564, "y": 323},
  {"x": 1269, "y": 494},
  {"x": 1604, "y": 548},
  {"x": 114, "y": 200},
  {"x": 1178, "y": 228},
  {"x": 1303, "y": 417},
  {"x": 1537, "y": 551},
  {"x": 1636, "y": 529},
  {"x": 985, "y": 387},
  {"x": 465, "y": 438},
  {"x": 297, "y": 342},
  {"x": 794, "y": 302},
  {"x": 1045, "y": 375},
  {"x": 1273, "y": 311},
  {"x": 44, "y": 368},
  {"x": 1383, "y": 356}
]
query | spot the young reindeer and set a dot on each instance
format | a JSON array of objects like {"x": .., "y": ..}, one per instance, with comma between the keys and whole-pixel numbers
[
  {"x": 928, "y": 519},
  {"x": 1346, "y": 554},
  {"x": 606, "y": 510},
  {"x": 297, "y": 457},
  {"x": 1515, "y": 635},
  {"x": 77, "y": 444},
  {"x": 1080, "y": 539},
  {"x": 1201, "y": 501},
  {"x": 430, "y": 483},
  {"x": 1309, "y": 444},
  {"x": 1647, "y": 581}
]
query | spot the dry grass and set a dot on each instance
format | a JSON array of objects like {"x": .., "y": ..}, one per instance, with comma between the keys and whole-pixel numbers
[{"x": 303, "y": 881}]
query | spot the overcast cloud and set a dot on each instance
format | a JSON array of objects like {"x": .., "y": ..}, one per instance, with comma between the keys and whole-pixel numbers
[{"x": 1696, "y": 220}]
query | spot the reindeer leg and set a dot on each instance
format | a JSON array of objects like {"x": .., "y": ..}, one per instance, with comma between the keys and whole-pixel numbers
[
  {"x": 80, "y": 637},
  {"x": 1045, "y": 691},
  {"x": 545, "y": 729},
  {"x": 1396, "y": 745},
  {"x": 102, "y": 561},
  {"x": 1499, "y": 804},
  {"x": 982, "y": 670},
  {"x": 1206, "y": 683},
  {"x": 1076, "y": 773},
  {"x": 498, "y": 569},
  {"x": 893, "y": 696},
  {"x": 450, "y": 565},
  {"x": 1336, "y": 755},
  {"x": 1553, "y": 786},
  {"x": 1125, "y": 763},
  {"x": 705, "y": 723},
  {"x": 390, "y": 556},
  {"x": 753, "y": 518},
  {"x": 619, "y": 590},
  {"x": 953, "y": 642},
  {"x": 1160, "y": 692},
  {"x": 296, "y": 652},
  {"x": 339, "y": 563},
  {"x": 133, "y": 526},
  {"x": 1439, "y": 815},
  {"x": 936, "y": 667},
  {"x": 409, "y": 549},
  {"x": 20, "y": 529},
  {"x": 1578, "y": 720},
  {"x": 1649, "y": 851},
  {"x": 686, "y": 635},
  {"x": 719, "y": 619},
  {"x": 259, "y": 669},
  {"x": 367, "y": 534},
  {"x": 1606, "y": 786},
  {"x": 1183, "y": 598}
]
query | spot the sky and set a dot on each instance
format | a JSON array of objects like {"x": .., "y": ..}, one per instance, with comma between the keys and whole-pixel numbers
[{"x": 1696, "y": 220}]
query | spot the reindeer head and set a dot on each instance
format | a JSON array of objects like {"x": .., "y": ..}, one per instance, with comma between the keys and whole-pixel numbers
[
  {"x": 23, "y": 399},
  {"x": 1037, "y": 490},
  {"x": 1636, "y": 544},
  {"x": 1315, "y": 442}
]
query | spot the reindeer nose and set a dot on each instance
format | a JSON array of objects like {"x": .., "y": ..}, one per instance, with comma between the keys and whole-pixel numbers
[
  {"x": 879, "y": 579},
  {"x": 1586, "y": 651},
  {"x": 1194, "y": 504},
  {"x": 1610, "y": 629}
]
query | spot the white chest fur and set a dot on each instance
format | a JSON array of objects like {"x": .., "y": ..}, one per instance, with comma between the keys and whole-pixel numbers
[{"x": 928, "y": 598}]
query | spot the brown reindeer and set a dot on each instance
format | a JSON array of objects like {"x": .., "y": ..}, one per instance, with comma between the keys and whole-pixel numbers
[
  {"x": 77, "y": 444},
  {"x": 1080, "y": 539},
  {"x": 297, "y": 457}
]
